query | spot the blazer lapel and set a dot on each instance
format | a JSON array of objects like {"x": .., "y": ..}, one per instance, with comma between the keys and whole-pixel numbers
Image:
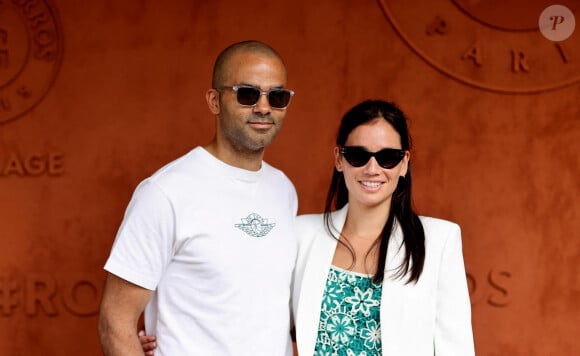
[
  {"x": 391, "y": 296},
  {"x": 314, "y": 282}
]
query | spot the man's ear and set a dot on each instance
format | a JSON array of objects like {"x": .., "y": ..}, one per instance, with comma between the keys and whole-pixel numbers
[{"x": 213, "y": 101}]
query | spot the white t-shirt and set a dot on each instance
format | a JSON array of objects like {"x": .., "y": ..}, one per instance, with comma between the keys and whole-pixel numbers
[{"x": 216, "y": 244}]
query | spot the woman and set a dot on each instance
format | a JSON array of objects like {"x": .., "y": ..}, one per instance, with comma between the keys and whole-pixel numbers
[{"x": 372, "y": 277}]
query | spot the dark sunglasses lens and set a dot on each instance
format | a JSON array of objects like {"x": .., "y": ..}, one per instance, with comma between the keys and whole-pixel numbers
[
  {"x": 279, "y": 98},
  {"x": 248, "y": 96},
  {"x": 356, "y": 157},
  {"x": 389, "y": 158}
]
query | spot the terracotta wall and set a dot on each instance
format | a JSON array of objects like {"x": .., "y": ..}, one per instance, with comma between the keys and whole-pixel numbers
[{"x": 96, "y": 95}]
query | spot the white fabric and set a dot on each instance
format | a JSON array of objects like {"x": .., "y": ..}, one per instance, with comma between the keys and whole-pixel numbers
[
  {"x": 218, "y": 290},
  {"x": 431, "y": 317}
]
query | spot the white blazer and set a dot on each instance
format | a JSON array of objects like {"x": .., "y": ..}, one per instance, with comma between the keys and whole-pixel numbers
[{"x": 430, "y": 317}]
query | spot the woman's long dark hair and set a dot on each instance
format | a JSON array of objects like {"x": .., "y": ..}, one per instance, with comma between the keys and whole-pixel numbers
[{"x": 401, "y": 211}]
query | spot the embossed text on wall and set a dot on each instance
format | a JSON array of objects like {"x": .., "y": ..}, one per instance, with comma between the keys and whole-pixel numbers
[
  {"x": 36, "y": 294},
  {"x": 484, "y": 46},
  {"x": 30, "y": 55}
]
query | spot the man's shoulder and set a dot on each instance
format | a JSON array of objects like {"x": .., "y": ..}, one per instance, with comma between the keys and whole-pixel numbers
[
  {"x": 182, "y": 164},
  {"x": 274, "y": 171},
  {"x": 171, "y": 177}
]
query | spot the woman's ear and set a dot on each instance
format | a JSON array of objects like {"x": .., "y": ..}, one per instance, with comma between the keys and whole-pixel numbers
[
  {"x": 213, "y": 101},
  {"x": 405, "y": 166},
  {"x": 337, "y": 159}
]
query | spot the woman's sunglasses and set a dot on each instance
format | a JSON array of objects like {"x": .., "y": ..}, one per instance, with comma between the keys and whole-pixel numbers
[
  {"x": 248, "y": 95},
  {"x": 357, "y": 156}
]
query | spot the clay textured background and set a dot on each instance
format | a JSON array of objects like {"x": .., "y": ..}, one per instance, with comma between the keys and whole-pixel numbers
[{"x": 96, "y": 95}]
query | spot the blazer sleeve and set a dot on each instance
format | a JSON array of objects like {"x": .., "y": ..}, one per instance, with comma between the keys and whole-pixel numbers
[{"x": 453, "y": 331}]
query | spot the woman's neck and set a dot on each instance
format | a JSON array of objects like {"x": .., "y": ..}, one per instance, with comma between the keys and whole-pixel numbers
[
  {"x": 366, "y": 222},
  {"x": 358, "y": 250}
]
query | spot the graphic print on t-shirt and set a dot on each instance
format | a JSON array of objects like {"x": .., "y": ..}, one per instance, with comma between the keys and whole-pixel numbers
[{"x": 255, "y": 226}]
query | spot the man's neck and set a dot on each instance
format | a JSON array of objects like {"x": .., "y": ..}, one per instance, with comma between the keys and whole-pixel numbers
[{"x": 251, "y": 161}]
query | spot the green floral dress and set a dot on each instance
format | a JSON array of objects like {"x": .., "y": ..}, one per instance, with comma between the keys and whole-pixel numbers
[{"x": 350, "y": 315}]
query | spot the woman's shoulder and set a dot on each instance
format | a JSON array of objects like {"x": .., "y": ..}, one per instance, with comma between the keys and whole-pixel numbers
[
  {"x": 335, "y": 219},
  {"x": 437, "y": 222},
  {"x": 307, "y": 227},
  {"x": 437, "y": 227}
]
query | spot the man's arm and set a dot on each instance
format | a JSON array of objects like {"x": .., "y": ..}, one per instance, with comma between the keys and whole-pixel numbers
[{"x": 122, "y": 305}]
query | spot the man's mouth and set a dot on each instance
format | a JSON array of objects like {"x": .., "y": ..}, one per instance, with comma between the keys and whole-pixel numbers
[{"x": 261, "y": 125}]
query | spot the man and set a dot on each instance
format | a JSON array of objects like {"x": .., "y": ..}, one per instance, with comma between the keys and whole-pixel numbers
[{"x": 206, "y": 246}]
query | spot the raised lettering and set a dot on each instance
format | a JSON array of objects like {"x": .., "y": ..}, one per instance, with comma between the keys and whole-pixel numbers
[
  {"x": 35, "y": 165},
  {"x": 24, "y": 92},
  {"x": 51, "y": 164},
  {"x": 519, "y": 62},
  {"x": 27, "y": 5},
  {"x": 82, "y": 298},
  {"x": 44, "y": 38},
  {"x": 5, "y": 104},
  {"x": 38, "y": 19},
  {"x": 438, "y": 26},
  {"x": 13, "y": 166},
  {"x": 8, "y": 299},
  {"x": 45, "y": 54},
  {"x": 473, "y": 53},
  {"x": 493, "y": 278},
  {"x": 40, "y": 289},
  {"x": 55, "y": 164},
  {"x": 41, "y": 294}
]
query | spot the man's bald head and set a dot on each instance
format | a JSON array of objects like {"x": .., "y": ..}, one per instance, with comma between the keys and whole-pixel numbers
[{"x": 222, "y": 64}]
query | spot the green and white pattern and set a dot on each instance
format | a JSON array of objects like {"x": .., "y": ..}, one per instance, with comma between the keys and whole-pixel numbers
[{"x": 350, "y": 316}]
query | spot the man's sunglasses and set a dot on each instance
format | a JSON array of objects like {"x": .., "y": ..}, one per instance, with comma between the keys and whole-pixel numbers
[
  {"x": 357, "y": 156},
  {"x": 248, "y": 95}
]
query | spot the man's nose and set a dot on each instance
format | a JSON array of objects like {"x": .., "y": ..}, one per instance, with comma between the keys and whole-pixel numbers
[{"x": 263, "y": 105}]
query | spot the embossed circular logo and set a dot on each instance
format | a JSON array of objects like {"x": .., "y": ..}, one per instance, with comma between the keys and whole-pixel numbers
[
  {"x": 491, "y": 45},
  {"x": 31, "y": 49},
  {"x": 557, "y": 23}
]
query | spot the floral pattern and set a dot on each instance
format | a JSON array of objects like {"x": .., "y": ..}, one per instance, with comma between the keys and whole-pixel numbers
[{"x": 350, "y": 316}]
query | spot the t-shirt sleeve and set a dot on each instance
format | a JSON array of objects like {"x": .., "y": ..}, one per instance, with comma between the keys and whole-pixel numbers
[
  {"x": 293, "y": 200},
  {"x": 144, "y": 243}
]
